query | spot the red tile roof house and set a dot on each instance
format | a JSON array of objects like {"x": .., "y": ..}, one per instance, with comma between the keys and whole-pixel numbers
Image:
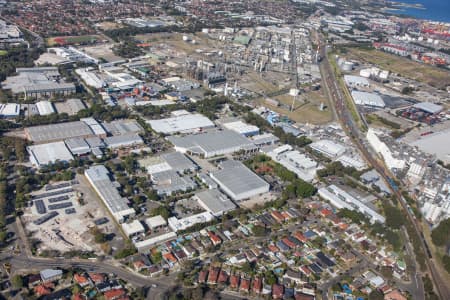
[
  {"x": 42, "y": 290},
  {"x": 257, "y": 285},
  {"x": 245, "y": 285},
  {"x": 289, "y": 243},
  {"x": 325, "y": 212},
  {"x": 214, "y": 238},
  {"x": 97, "y": 277},
  {"x": 223, "y": 277},
  {"x": 114, "y": 294},
  {"x": 81, "y": 279},
  {"x": 213, "y": 275},
  {"x": 299, "y": 236},
  {"x": 277, "y": 216},
  {"x": 277, "y": 291},
  {"x": 234, "y": 281},
  {"x": 202, "y": 276}
]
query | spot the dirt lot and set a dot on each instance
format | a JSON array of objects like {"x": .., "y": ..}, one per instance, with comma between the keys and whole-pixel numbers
[
  {"x": 306, "y": 108},
  {"x": 67, "y": 232},
  {"x": 108, "y": 25},
  {"x": 102, "y": 51},
  {"x": 433, "y": 76},
  {"x": 175, "y": 40}
]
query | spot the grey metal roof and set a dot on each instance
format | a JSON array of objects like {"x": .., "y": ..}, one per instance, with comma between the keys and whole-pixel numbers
[
  {"x": 212, "y": 141},
  {"x": 429, "y": 107},
  {"x": 95, "y": 142},
  {"x": 99, "y": 176},
  {"x": 60, "y": 131},
  {"x": 77, "y": 145},
  {"x": 50, "y": 273},
  {"x": 119, "y": 127},
  {"x": 215, "y": 201},
  {"x": 238, "y": 178},
  {"x": 170, "y": 181},
  {"x": 179, "y": 162},
  {"x": 123, "y": 140}
]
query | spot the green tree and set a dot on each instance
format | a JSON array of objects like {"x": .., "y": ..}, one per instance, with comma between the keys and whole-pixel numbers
[
  {"x": 17, "y": 281},
  {"x": 441, "y": 234}
]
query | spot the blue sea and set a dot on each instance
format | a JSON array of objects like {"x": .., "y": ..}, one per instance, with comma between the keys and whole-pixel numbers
[{"x": 435, "y": 10}]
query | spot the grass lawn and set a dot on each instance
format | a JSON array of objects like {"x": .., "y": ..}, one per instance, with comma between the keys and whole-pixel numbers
[
  {"x": 431, "y": 75},
  {"x": 3, "y": 52},
  {"x": 306, "y": 109}
]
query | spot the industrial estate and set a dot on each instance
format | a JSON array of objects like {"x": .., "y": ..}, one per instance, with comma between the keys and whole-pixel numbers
[{"x": 291, "y": 149}]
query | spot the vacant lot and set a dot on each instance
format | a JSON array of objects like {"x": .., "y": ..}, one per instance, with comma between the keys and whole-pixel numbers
[
  {"x": 72, "y": 40},
  {"x": 433, "y": 76},
  {"x": 306, "y": 108},
  {"x": 175, "y": 40}
]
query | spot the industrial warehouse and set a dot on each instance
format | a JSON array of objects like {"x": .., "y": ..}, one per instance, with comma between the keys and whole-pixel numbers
[
  {"x": 239, "y": 182},
  {"x": 98, "y": 177},
  {"x": 342, "y": 199},
  {"x": 212, "y": 143},
  {"x": 182, "y": 122},
  {"x": 38, "y": 82}
]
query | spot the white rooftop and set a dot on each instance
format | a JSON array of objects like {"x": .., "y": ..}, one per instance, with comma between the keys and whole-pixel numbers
[
  {"x": 369, "y": 99},
  {"x": 45, "y": 154},
  {"x": 133, "y": 228},
  {"x": 156, "y": 221},
  {"x": 183, "y": 123}
]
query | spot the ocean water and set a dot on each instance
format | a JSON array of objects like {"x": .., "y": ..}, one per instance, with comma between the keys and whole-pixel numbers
[{"x": 435, "y": 10}]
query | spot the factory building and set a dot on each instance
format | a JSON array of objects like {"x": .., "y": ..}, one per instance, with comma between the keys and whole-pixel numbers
[
  {"x": 367, "y": 99},
  {"x": 242, "y": 128},
  {"x": 168, "y": 182},
  {"x": 356, "y": 81},
  {"x": 429, "y": 107},
  {"x": 294, "y": 161},
  {"x": 98, "y": 177},
  {"x": 45, "y": 108},
  {"x": 341, "y": 199},
  {"x": 48, "y": 90},
  {"x": 183, "y": 123},
  {"x": 212, "y": 143},
  {"x": 58, "y": 132},
  {"x": 146, "y": 245},
  {"x": 78, "y": 146},
  {"x": 123, "y": 141},
  {"x": 214, "y": 202},
  {"x": 9, "y": 110},
  {"x": 174, "y": 161},
  {"x": 238, "y": 181},
  {"x": 184, "y": 223},
  {"x": 38, "y": 82},
  {"x": 437, "y": 144},
  {"x": 381, "y": 148},
  {"x": 133, "y": 228},
  {"x": 328, "y": 148},
  {"x": 45, "y": 154}
]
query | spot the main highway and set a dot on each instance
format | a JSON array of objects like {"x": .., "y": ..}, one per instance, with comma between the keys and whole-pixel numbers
[{"x": 338, "y": 102}]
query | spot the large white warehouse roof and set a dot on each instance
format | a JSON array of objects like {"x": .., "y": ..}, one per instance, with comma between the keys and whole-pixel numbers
[
  {"x": 184, "y": 123},
  {"x": 369, "y": 99},
  {"x": 45, "y": 154}
]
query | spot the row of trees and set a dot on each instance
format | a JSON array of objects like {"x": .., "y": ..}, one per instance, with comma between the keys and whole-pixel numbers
[{"x": 286, "y": 138}]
